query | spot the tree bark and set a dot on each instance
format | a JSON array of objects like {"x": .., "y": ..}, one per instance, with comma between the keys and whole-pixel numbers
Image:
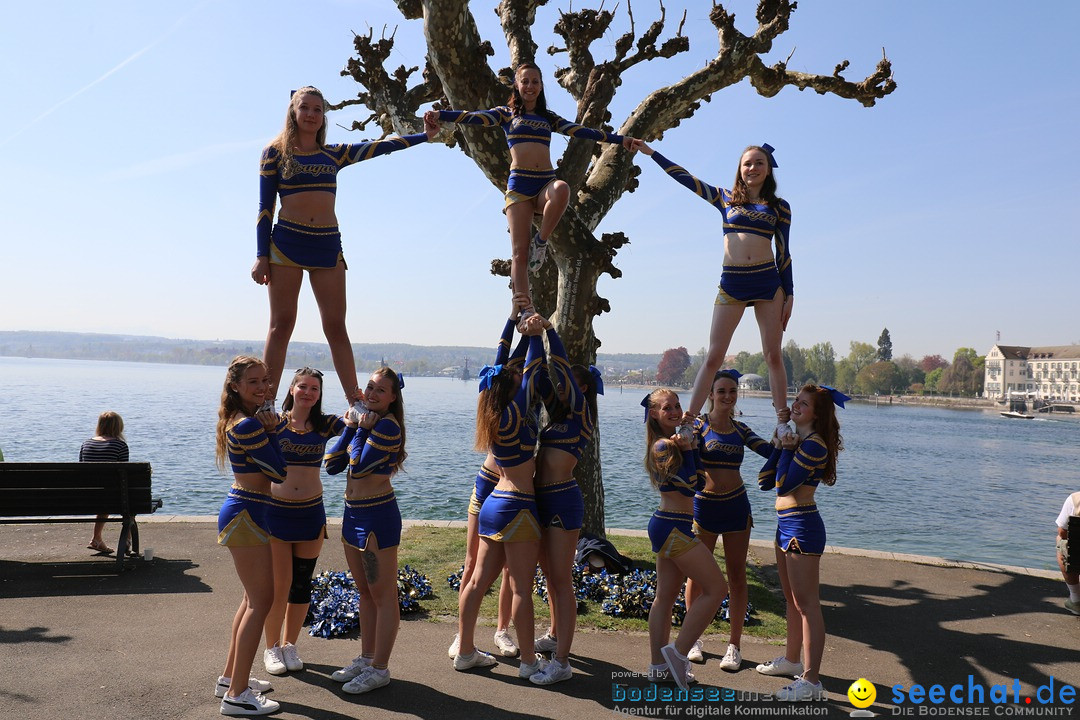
[{"x": 598, "y": 175}]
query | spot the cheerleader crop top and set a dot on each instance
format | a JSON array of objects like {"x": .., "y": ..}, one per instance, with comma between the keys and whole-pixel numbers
[
  {"x": 786, "y": 470},
  {"x": 725, "y": 450},
  {"x": 752, "y": 218},
  {"x": 370, "y": 452},
  {"x": 515, "y": 439},
  {"x": 526, "y": 127},
  {"x": 573, "y": 433},
  {"x": 689, "y": 478},
  {"x": 306, "y": 449},
  {"x": 303, "y": 172},
  {"x": 253, "y": 450}
]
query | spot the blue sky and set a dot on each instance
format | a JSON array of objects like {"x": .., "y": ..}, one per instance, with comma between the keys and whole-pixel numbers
[{"x": 133, "y": 129}]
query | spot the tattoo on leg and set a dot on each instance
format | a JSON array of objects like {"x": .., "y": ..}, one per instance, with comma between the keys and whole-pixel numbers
[{"x": 371, "y": 566}]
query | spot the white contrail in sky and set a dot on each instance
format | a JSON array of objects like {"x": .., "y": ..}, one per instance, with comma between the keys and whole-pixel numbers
[{"x": 131, "y": 58}]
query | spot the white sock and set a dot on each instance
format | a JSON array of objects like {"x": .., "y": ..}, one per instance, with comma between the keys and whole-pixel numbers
[{"x": 1074, "y": 592}]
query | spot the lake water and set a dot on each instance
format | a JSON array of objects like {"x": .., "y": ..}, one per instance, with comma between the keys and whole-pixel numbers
[{"x": 960, "y": 484}]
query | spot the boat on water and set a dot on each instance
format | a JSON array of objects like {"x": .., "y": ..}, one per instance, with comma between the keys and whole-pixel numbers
[{"x": 1017, "y": 415}]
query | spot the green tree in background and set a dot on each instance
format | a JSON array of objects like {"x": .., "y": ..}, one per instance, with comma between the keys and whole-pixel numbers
[
  {"x": 932, "y": 380},
  {"x": 880, "y": 378},
  {"x": 911, "y": 372},
  {"x": 795, "y": 364},
  {"x": 691, "y": 372},
  {"x": 821, "y": 363},
  {"x": 861, "y": 355},
  {"x": 845, "y": 375},
  {"x": 884, "y": 346}
]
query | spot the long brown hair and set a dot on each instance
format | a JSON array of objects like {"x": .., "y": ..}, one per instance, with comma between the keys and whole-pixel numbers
[
  {"x": 768, "y": 188},
  {"x": 397, "y": 409},
  {"x": 660, "y": 464},
  {"x": 828, "y": 427},
  {"x": 517, "y": 103},
  {"x": 231, "y": 403},
  {"x": 490, "y": 404}
]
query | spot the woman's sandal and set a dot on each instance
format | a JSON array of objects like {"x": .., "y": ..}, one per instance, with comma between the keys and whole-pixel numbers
[{"x": 100, "y": 546}]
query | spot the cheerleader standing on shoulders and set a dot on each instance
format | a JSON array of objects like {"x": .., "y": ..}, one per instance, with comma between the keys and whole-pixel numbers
[
  {"x": 509, "y": 527},
  {"x": 721, "y": 507},
  {"x": 753, "y": 274},
  {"x": 572, "y": 411},
  {"x": 532, "y": 188},
  {"x": 486, "y": 480},
  {"x": 371, "y": 530},
  {"x": 794, "y": 471},
  {"x": 674, "y": 467},
  {"x": 297, "y": 517},
  {"x": 250, "y": 443},
  {"x": 302, "y": 169}
]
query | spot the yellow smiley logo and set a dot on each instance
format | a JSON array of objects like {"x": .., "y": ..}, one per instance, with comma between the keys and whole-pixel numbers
[{"x": 862, "y": 693}]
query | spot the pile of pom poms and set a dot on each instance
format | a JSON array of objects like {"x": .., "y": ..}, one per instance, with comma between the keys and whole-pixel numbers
[
  {"x": 334, "y": 600},
  {"x": 630, "y": 595}
]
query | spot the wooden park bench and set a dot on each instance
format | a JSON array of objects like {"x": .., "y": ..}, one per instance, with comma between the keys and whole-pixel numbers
[{"x": 78, "y": 492}]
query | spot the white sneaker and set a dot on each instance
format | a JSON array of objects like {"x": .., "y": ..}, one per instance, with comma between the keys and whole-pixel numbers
[
  {"x": 478, "y": 658},
  {"x": 527, "y": 671},
  {"x": 781, "y": 666},
  {"x": 732, "y": 661},
  {"x": 537, "y": 253},
  {"x": 553, "y": 673},
  {"x": 661, "y": 674},
  {"x": 273, "y": 661},
  {"x": 695, "y": 655},
  {"x": 546, "y": 643},
  {"x": 248, "y": 703},
  {"x": 256, "y": 685},
  {"x": 291, "y": 658},
  {"x": 454, "y": 646},
  {"x": 801, "y": 690},
  {"x": 366, "y": 681},
  {"x": 505, "y": 643},
  {"x": 677, "y": 664},
  {"x": 347, "y": 673}
]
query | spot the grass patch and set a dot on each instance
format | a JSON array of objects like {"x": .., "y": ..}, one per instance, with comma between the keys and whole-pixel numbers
[{"x": 438, "y": 552}]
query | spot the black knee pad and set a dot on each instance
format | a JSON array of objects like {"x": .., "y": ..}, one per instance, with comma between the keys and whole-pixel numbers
[{"x": 302, "y": 570}]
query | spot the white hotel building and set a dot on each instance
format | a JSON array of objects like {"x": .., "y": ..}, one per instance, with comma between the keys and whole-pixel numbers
[{"x": 1049, "y": 373}]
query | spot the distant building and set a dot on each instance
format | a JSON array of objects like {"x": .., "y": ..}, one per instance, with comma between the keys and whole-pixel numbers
[{"x": 1048, "y": 373}]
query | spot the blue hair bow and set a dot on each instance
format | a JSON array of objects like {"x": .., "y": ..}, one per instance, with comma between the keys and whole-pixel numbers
[
  {"x": 597, "y": 378},
  {"x": 486, "y": 374},
  {"x": 772, "y": 162},
  {"x": 645, "y": 404},
  {"x": 838, "y": 397},
  {"x": 400, "y": 381},
  {"x": 732, "y": 373}
]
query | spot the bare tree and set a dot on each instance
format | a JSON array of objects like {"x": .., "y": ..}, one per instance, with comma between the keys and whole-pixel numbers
[{"x": 457, "y": 75}]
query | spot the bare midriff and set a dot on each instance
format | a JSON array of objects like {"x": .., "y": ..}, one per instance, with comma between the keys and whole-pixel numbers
[
  {"x": 311, "y": 207},
  {"x": 746, "y": 249}
]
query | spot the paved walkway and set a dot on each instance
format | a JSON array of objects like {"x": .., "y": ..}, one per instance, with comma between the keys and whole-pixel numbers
[{"x": 79, "y": 641}]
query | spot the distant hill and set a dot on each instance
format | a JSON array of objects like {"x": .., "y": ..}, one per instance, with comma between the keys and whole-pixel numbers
[{"x": 410, "y": 359}]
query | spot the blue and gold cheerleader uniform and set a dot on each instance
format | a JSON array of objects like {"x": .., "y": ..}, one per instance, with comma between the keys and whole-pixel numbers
[
  {"x": 298, "y": 244},
  {"x": 487, "y": 478},
  {"x": 561, "y": 504},
  {"x": 799, "y": 529},
  {"x": 745, "y": 284},
  {"x": 671, "y": 532},
  {"x": 527, "y": 183},
  {"x": 370, "y": 452},
  {"x": 719, "y": 513},
  {"x": 507, "y": 515},
  {"x": 299, "y": 520},
  {"x": 242, "y": 520}
]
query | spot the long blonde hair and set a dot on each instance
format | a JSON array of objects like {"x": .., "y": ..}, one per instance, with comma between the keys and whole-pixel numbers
[
  {"x": 286, "y": 139},
  {"x": 231, "y": 403},
  {"x": 660, "y": 464},
  {"x": 397, "y": 409}
]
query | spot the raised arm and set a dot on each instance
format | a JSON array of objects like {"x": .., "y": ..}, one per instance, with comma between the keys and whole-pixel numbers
[
  {"x": 351, "y": 153},
  {"x": 797, "y": 466},
  {"x": 252, "y": 439},
  {"x": 502, "y": 353},
  {"x": 574, "y": 130},
  {"x": 711, "y": 194},
  {"x": 495, "y": 117}
]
